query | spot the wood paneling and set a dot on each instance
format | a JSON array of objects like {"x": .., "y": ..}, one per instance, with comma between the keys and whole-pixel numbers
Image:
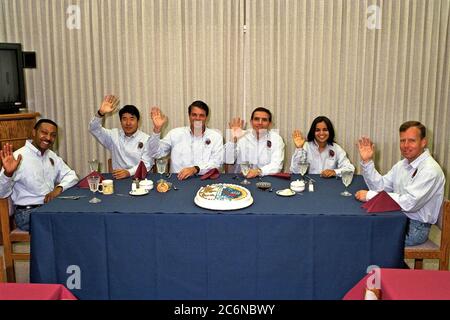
[{"x": 16, "y": 128}]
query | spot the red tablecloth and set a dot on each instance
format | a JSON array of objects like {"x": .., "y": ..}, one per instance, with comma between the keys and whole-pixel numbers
[
  {"x": 34, "y": 291},
  {"x": 404, "y": 284}
]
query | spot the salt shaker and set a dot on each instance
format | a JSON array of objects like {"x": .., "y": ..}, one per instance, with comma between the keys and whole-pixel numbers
[
  {"x": 310, "y": 186},
  {"x": 135, "y": 185}
]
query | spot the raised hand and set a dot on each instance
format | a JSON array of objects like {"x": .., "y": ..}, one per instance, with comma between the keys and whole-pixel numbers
[
  {"x": 366, "y": 149},
  {"x": 109, "y": 104},
  {"x": 9, "y": 163},
  {"x": 158, "y": 118},
  {"x": 236, "y": 125},
  {"x": 298, "y": 138}
]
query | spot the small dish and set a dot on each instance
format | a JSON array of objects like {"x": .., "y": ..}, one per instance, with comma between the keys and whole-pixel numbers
[
  {"x": 297, "y": 186},
  {"x": 285, "y": 193},
  {"x": 139, "y": 192},
  {"x": 263, "y": 185},
  {"x": 146, "y": 184}
]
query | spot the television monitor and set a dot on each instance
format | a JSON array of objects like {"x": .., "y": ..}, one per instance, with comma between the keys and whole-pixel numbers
[{"x": 12, "y": 88}]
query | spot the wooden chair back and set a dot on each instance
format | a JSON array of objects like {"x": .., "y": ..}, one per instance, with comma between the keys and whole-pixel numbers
[
  {"x": 11, "y": 235},
  {"x": 429, "y": 249}
]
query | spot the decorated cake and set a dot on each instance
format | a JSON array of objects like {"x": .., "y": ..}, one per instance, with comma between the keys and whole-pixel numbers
[{"x": 223, "y": 196}]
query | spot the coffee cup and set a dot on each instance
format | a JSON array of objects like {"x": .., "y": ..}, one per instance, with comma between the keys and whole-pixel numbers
[{"x": 106, "y": 187}]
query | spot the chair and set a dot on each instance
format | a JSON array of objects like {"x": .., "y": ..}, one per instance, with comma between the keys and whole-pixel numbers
[
  {"x": 429, "y": 249},
  {"x": 10, "y": 235},
  {"x": 228, "y": 168},
  {"x": 2, "y": 266}
]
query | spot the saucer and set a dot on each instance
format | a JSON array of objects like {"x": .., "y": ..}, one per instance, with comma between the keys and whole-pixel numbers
[
  {"x": 139, "y": 192},
  {"x": 285, "y": 193}
]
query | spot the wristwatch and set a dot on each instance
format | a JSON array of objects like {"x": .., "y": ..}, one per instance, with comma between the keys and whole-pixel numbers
[
  {"x": 197, "y": 168},
  {"x": 101, "y": 115}
]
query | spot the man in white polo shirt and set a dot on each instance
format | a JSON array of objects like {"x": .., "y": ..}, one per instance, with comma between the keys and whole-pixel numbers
[
  {"x": 34, "y": 174},
  {"x": 194, "y": 149},
  {"x": 128, "y": 144},
  {"x": 416, "y": 183}
]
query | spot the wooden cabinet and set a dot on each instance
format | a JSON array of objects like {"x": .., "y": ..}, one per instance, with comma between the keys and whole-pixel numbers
[{"x": 16, "y": 128}]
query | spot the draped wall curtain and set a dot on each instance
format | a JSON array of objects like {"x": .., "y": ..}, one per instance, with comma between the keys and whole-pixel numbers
[
  {"x": 311, "y": 58},
  {"x": 301, "y": 58},
  {"x": 148, "y": 52}
]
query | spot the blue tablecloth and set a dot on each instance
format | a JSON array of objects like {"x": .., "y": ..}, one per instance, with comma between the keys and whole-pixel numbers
[{"x": 162, "y": 246}]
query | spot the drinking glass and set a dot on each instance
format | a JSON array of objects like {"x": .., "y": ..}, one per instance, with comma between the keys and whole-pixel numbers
[
  {"x": 347, "y": 177},
  {"x": 161, "y": 165},
  {"x": 93, "y": 165},
  {"x": 303, "y": 167},
  {"x": 245, "y": 168},
  {"x": 94, "y": 181}
]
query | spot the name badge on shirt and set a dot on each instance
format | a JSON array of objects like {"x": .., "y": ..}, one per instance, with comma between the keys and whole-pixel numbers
[
  {"x": 52, "y": 161},
  {"x": 331, "y": 153},
  {"x": 140, "y": 145}
]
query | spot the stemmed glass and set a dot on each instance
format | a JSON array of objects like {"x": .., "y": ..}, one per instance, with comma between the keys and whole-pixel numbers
[
  {"x": 161, "y": 165},
  {"x": 94, "y": 181},
  {"x": 303, "y": 167},
  {"x": 245, "y": 168},
  {"x": 347, "y": 177},
  {"x": 93, "y": 165}
]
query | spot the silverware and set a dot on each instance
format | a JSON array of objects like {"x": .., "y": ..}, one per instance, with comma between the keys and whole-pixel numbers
[
  {"x": 71, "y": 197},
  {"x": 271, "y": 190},
  {"x": 122, "y": 195},
  {"x": 175, "y": 188},
  {"x": 311, "y": 179}
]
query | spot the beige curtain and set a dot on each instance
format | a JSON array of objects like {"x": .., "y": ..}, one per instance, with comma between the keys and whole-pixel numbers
[
  {"x": 301, "y": 58},
  {"x": 149, "y": 52},
  {"x": 311, "y": 58}
]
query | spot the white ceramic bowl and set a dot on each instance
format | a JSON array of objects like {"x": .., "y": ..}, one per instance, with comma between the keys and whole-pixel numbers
[
  {"x": 146, "y": 184},
  {"x": 297, "y": 186}
]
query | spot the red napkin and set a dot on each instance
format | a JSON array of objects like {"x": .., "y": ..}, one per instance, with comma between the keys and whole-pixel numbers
[
  {"x": 211, "y": 174},
  {"x": 84, "y": 184},
  {"x": 141, "y": 171},
  {"x": 382, "y": 202},
  {"x": 282, "y": 175}
]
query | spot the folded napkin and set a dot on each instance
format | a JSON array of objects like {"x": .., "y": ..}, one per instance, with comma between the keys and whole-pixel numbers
[
  {"x": 211, "y": 174},
  {"x": 84, "y": 184},
  {"x": 382, "y": 202},
  {"x": 282, "y": 175},
  {"x": 141, "y": 171}
]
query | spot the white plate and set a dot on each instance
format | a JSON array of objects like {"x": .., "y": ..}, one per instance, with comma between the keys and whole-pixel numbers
[
  {"x": 284, "y": 193},
  {"x": 140, "y": 193}
]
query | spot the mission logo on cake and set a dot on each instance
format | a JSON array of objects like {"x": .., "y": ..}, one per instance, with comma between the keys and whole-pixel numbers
[{"x": 223, "y": 196}]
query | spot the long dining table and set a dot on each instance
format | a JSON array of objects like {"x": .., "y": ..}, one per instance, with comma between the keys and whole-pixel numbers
[{"x": 313, "y": 245}]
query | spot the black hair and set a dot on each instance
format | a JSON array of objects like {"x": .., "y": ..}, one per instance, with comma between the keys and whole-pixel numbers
[
  {"x": 312, "y": 130},
  {"x": 129, "y": 109},
  {"x": 41, "y": 121},
  {"x": 261, "y": 109},
  {"x": 199, "y": 104},
  {"x": 409, "y": 124}
]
